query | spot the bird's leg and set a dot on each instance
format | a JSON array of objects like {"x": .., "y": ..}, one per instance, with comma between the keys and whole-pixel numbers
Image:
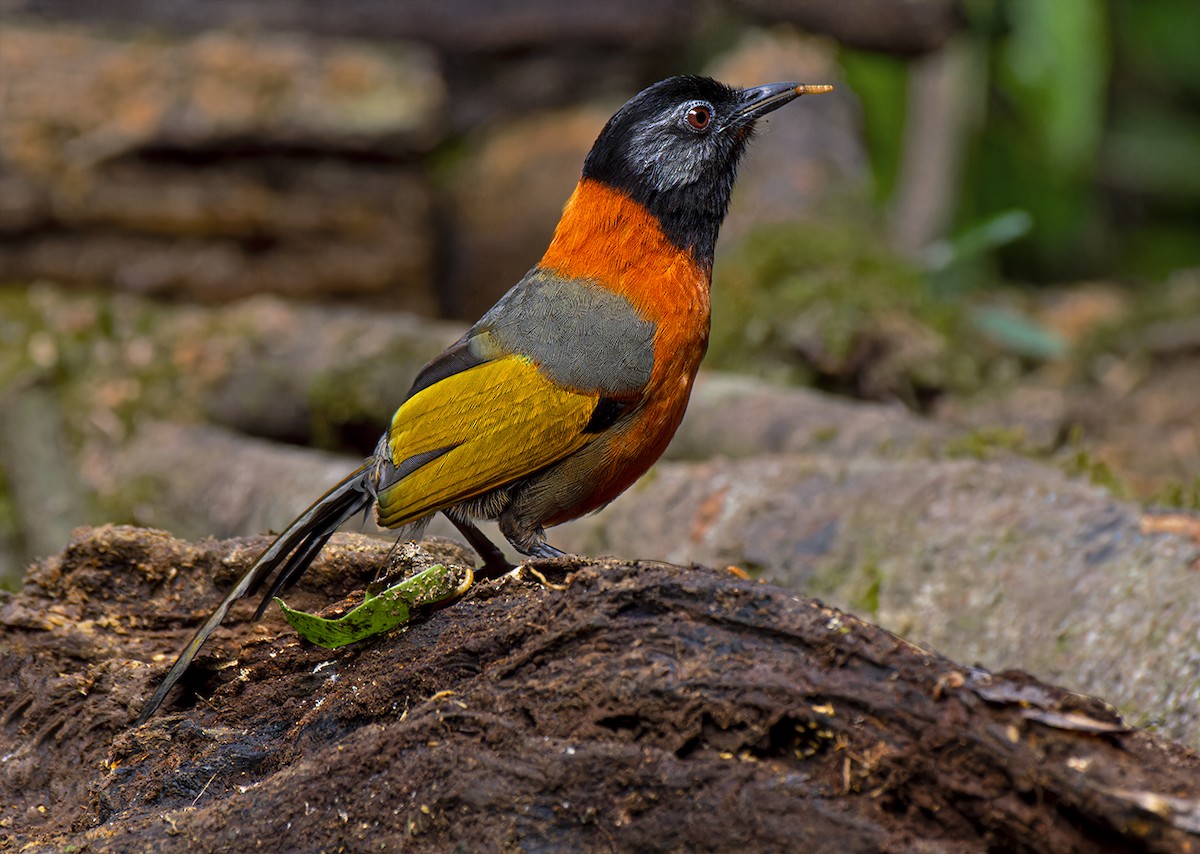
[{"x": 495, "y": 564}]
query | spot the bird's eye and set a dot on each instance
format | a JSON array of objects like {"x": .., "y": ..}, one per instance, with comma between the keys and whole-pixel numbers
[{"x": 699, "y": 116}]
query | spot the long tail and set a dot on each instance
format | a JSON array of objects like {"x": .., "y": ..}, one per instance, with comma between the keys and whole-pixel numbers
[{"x": 291, "y": 554}]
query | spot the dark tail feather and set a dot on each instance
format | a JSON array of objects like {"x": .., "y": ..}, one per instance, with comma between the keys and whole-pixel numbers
[
  {"x": 300, "y": 560},
  {"x": 293, "y": 550}
]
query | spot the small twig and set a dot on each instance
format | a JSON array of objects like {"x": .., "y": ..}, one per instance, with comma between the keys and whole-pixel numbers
[
  {"x": 205, "y": 789},
  {"x": 541, "y": 578}
]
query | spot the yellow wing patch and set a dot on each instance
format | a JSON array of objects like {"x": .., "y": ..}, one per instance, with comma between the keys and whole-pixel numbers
[{"x": 501, "y": 420}]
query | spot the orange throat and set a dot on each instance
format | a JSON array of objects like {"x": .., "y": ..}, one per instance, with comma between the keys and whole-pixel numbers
[{"x": 607, "y": 237}]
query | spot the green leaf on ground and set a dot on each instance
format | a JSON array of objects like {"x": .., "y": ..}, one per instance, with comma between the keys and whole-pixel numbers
[{"x": 436, "y": 585}]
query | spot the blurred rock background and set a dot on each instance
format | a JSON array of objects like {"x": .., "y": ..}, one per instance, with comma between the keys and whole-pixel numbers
[{"x": 956, "y": 304}]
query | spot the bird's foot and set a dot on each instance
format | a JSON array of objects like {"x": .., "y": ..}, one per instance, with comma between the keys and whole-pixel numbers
[{"x": 545, "y": 550}]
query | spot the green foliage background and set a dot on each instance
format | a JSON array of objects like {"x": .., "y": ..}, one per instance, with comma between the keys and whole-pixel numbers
[{"x": 1088, "y": 121}]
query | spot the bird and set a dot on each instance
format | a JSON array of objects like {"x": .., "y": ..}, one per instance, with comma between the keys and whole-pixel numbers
[{"x": 565, "y": 392}]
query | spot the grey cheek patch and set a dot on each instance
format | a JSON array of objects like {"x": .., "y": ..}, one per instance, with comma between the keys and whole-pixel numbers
[{"x": 685, "y": 165}]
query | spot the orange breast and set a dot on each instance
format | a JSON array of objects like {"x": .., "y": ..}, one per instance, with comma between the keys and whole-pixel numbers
[{"x": 607, "y": 237}]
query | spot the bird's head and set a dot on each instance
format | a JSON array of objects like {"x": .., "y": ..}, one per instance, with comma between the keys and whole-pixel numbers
[{"x": 675, "y": 148}]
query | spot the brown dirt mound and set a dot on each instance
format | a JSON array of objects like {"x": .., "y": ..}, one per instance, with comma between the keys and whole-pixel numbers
[{"x": 639, "y": 707}]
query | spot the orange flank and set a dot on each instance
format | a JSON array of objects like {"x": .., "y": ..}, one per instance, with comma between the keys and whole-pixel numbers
[{"x": 626, "y": 455}]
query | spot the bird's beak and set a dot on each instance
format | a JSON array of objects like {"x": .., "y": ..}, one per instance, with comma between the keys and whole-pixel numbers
[{"x": 757, "y": 102}]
